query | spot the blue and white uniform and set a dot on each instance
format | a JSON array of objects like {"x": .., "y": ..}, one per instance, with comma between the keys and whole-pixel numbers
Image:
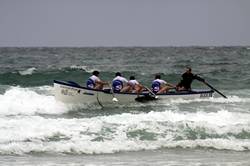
[
  {"x": 91, "y": 82},
  {"x": 133, "y": 83},
  {"x": 156, "y": 85},
  {"x": 118, "y": 83}
]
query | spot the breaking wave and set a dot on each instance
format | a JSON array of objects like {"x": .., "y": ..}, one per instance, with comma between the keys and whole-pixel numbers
[
  {"x": 222, "y": 130},
  {"x": 28, "y": 101}
]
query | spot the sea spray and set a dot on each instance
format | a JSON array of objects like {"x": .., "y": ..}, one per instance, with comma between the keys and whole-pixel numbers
[{"x": 25, "y": 101}]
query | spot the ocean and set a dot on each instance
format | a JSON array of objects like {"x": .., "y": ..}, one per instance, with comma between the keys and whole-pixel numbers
[{"x": 35, "y": 129}]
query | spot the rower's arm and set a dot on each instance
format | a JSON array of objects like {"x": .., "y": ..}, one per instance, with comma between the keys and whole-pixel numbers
[
  {"x": 171, "y": 85},
  {"x": 102, "y": 82},
  {"x": 199, "y": 78}
]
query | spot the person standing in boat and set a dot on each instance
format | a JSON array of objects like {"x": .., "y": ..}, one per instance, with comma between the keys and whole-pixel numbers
[
  {"x": 160, "y": 86},
  {"x": 120, "y": 84},
  {"x": 135, "y": 86},
  {"x": 187, "y": 79},
  {"x": 94, "y": 82}
]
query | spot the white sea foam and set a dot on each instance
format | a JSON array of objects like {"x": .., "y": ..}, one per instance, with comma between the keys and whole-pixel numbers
[
  {"x": 124, "y": 132},
  {"x": 84, "y": 68},
  {"x": 25, "y": 101},
  {"x": 79, "y": 67},
  {"x": 89, "y": 147},
  {"x": 230, "y": 99},
  {"x": 220, "y": 144},
  {"x": 28, "y": 71}
]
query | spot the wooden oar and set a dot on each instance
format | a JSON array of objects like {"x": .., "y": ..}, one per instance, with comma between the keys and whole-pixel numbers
[
  {"x": 210, "y": 86},
  {"x": 215, "y": 89},
  {"x": 151, "y": 92},
  {"x": 99, "y": 101}
]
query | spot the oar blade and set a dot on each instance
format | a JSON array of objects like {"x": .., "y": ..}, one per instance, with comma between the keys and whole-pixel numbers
[
  {"x": 210, "y": 86},
  {"x": 216, "y": 90},
  {"x": 115, "y": 99}
]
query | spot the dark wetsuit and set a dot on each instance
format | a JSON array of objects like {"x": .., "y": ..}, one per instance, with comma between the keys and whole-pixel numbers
[{"x": 187, "y": 79}]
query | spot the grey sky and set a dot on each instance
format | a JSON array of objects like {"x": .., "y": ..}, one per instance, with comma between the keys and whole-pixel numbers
[{"x": 124, "y": 22}]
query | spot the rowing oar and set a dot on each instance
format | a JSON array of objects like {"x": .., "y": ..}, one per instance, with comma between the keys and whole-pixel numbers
[
  {"x": 114, "y": 99},
  {"x": 151, "y": 92},
  {"x": 99, "y": 100},
  {"x": 210, "y": 86}
]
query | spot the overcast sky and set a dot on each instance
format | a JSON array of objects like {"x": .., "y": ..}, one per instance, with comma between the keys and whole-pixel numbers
[{"x": 124, "y": 22}]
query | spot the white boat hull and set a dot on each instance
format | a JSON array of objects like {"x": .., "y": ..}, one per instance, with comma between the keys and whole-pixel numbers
[{"x": 69, "y": 92}]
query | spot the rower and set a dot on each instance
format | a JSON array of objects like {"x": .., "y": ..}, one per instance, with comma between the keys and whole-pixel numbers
[
  {"x": 135, "y": 86},
  {"x": 94, "y": 82},
  {"x": 119, "y": 83},
  {"x": 187, "y": 79},
  {"x": 160, "y": 86}
]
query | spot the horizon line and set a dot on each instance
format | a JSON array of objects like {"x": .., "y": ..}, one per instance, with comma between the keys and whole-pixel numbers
[{"x": 124, "y": 46}]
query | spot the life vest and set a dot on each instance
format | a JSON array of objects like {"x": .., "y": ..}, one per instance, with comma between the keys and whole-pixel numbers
[
  {"x": 90, "y": 83},
  {"x": 117, "y": 85},
  {"x": 156, "y": 86}
]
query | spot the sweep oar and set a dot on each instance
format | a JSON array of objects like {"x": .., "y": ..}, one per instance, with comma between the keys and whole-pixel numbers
[
  {"x": 210, "y": 86},
  {"x": 151, "y": 92}
]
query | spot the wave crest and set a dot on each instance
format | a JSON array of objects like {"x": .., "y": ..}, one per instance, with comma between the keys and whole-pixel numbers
[
  {"x": 28, "y": 71},
  {"x": 25, "y": 101}
]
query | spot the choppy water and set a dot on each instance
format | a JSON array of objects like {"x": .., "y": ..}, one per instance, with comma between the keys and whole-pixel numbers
[{"x": 35, "y": 127}]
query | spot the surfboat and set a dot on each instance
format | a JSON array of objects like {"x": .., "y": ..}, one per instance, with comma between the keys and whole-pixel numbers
[{"x": 71, "y": 92}]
